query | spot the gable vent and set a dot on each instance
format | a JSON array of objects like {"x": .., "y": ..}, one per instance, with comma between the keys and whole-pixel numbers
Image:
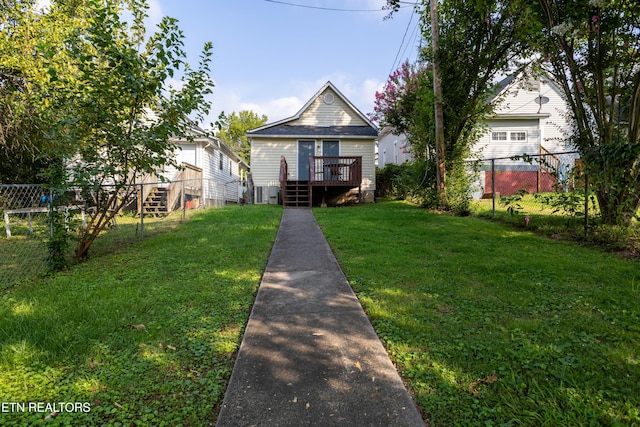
[{"x": 328, "y": 98}]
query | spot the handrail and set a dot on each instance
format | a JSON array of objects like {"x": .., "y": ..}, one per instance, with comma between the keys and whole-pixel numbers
[
  {"x": 284, "y": 171},
  {"x": 551, "y": 167},
  {"x": 336, "y": 170}
]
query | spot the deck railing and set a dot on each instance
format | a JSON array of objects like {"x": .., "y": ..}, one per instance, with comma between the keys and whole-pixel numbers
[
  {"x": 549, "y": 163},
  {"x": 190, "y": 178},
  {"x": 336, "y": 170}
]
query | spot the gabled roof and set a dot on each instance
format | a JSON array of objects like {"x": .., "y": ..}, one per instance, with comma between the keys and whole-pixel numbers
[
  {"x": 285, "y": 127},
  {"x": 517, "y": 82}
]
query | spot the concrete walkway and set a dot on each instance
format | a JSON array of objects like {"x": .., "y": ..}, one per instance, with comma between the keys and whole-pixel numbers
[{"x": 309, "y": 355}]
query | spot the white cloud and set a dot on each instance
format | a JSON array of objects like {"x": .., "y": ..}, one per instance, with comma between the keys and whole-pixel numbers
[
  {"x": 155, "y": 15},
  {"x": 281, "y": 103}
]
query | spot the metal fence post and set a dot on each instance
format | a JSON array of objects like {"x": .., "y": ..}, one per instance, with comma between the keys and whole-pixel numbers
[
  {"x": 141, "y": 211},
  {"x": 493, "y": 188},
  {"x": 183, "y": 201},
  {"x": 51, "y": 212},
  {"x": 586, "y": 205}
]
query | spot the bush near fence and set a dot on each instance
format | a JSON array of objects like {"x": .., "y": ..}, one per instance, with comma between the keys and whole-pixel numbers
[
  {"x": 25, "y": 209},
  {"x": 547, "y": 190}
]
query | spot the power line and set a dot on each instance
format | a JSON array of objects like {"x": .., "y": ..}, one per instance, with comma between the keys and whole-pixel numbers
[
  {"x": 326, "y": 8},
  {"x": 402, "y": 43}
]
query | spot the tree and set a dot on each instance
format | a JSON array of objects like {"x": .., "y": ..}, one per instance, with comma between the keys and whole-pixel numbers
[
  {"x": 119, "y": 114},
  {"x": 593, "y": 53},
  {"x": 233, "y": 131},
  {"x": 30, "y": 60},
  {"x": 478, "y": 41}
]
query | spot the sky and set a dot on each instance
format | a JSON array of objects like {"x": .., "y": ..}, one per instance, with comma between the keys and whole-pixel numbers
[{"x": 271, "y": 58}]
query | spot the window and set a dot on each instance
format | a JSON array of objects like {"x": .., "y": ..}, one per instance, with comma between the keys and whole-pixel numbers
[
  {"x": 513, "y": 136},
  {"x": 518, "y": 136},
  {"x": 498, "y": 136},
  {"x": 221, "y": 161}
]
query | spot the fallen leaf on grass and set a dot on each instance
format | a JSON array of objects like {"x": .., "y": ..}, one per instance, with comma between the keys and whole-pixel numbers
[
  {"x": 139, "y": 327},
  {"x": 488, "y": 380},
  {"x": 357, "y": 365},
  {"x": 52, "y": 415}
]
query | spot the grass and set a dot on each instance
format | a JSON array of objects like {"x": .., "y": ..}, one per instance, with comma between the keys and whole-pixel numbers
[
  {"x": 144, "y": 336},
  {"x": 490, "y": 325},
  {"x": 562, "y": 216},
  {"x": 24, "y": 255},
  {"x": 487, "y": 324}
]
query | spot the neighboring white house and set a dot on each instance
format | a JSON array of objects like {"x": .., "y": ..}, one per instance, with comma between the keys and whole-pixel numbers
[
  {"x": 210, "y": 174},
  {"x": 530, "y": 119},
  {"x": 223, "y": 172},
  {"x": 324, "y": 151},
  {"x": 531, "y": 114},
  {"x": 393, "y": 148}
]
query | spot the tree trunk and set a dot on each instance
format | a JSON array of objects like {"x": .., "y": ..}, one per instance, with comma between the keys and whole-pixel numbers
[{"x": 618, "y": 206}]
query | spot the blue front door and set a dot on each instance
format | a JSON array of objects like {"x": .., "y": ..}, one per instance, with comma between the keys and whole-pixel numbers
[{"x": 305, "y": 150}]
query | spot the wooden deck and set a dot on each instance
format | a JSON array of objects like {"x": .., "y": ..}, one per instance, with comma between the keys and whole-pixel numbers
[{"x": 341, "y": 173}]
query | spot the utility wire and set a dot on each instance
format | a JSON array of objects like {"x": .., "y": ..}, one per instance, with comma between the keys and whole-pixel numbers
[
  {"x": 326, "y": 8},
  {"x": 393, "y": 67}
]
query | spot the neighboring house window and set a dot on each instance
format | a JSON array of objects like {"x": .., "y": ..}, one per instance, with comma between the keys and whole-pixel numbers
[
  {"x": 498, "y": 136},
  {"x": 518, "y": 136},
  {"x": 221, "y": 161},
  {"x": 514, "y": 136}
]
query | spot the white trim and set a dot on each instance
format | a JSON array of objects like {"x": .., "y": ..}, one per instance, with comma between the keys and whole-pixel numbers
[
  {"x": 298, "y": 154},
  {"x": 508, "y": 133}
]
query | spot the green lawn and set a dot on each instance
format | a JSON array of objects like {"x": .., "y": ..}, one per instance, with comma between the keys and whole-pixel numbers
[
  {"x": 489, "y": 325},
  {"x": 146, "y": 335}
]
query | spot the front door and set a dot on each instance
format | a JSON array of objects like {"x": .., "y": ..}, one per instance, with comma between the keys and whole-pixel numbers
[
  {"x": 305, "y": 150},
  {"x": 331, "y": 167}
]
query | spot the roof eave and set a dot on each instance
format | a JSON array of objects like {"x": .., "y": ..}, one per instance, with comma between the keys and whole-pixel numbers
[
  {"x": 512, "y": 116},
  {"x": 372, "y": 137}
]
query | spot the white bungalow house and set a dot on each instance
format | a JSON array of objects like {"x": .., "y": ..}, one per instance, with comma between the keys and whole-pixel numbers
[
  {"x": 211, "y": 173},
  {"x": 324, "y": 154}
]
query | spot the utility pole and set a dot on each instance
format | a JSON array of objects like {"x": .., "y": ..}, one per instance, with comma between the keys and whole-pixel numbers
[{"x": 439, "y": 116}]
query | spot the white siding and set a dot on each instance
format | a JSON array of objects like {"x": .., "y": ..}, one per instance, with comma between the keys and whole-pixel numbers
[
  {"x": 393, "y": 148},
  {"x": 265, "y": 160},
  {"x": 550, "y": 130},
  {"x": 366, "y": 149},
  {"x": 337, "y": 113},
  {"x": 493, "y": 149}
]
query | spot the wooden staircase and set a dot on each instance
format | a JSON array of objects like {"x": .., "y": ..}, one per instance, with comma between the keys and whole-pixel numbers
[
  {"x": 296, "y": 194},
  {"x": 156, "y": 202}
]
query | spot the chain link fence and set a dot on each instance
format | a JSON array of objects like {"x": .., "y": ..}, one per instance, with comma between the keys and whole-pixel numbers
[
  {"x": 534, "y": 186},
  {"x": 149, "y": 208}
]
